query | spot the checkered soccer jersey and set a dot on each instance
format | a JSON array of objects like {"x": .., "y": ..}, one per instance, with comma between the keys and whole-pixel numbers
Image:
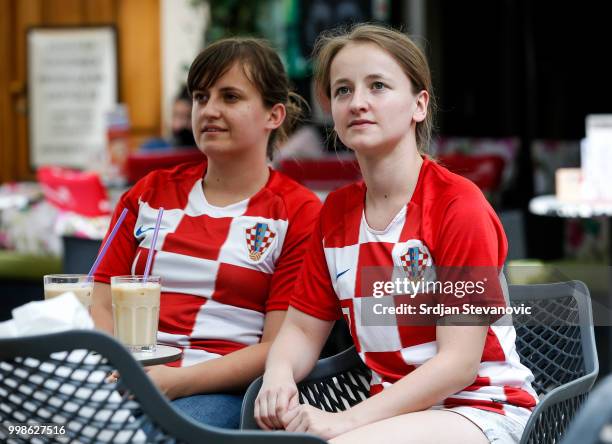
[
  {"x": 447, "y": 223},
  {"x": 222, "y": 269}
]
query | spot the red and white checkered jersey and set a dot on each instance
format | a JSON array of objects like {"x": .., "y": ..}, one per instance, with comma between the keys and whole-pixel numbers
[
  {"x": 450, "y": 223},
  {"x": 223, "y": 268}
]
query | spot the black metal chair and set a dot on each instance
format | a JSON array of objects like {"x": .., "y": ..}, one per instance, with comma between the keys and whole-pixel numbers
[
  {"x": 61, "y": 379},
  {"x": 556, "y": 342},
  {"x": 593, "y": 423}
]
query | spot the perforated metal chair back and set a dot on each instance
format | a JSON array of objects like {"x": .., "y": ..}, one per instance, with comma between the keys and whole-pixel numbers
[
  {"x": 557, "y": 343},
  {"x": 61, "y": 379},
  {"x": 336, "y": 384}
]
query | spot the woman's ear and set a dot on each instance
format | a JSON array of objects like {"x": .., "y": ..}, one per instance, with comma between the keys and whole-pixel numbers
[
  {"x": 420, "y": 111},
  {"x": 276, "y": 116}
]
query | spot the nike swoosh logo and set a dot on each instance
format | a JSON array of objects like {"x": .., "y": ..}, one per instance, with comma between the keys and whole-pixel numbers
[
  {"x": 341, "y": 273},
  {"x": 140, "y": 231}
]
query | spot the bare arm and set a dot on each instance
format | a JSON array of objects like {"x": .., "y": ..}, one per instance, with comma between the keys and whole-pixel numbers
[
  {"x": 234, "y": 371},
  {"x": 298, "y": 345},
  {"x": 102, "y": 309},
  {"x": 292, "y": 356}
]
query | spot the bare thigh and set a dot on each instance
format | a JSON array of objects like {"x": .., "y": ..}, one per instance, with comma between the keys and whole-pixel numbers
[{"x": 426, "y": 427}]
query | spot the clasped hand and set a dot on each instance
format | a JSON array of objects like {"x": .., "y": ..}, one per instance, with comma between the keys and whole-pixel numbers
[{"x": 277, "y": 407}]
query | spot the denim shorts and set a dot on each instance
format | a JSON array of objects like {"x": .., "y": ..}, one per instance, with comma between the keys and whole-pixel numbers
[{"x": 499, "y": 429}]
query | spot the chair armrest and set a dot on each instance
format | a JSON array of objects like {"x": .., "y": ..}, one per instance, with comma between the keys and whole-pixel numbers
[
  {"x": 344, "y": 361},
  {"x": 100, "y": 410}
]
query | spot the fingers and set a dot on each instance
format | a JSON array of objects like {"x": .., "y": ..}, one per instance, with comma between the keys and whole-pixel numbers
[
  {"x": 112, "y": 378},
  {"x": 290, "y": 416},
  {"x": 261, "y": 412},
  {"x": 299, "y": 423},
  {"x": 294, "y": 401},
  {"x": 271, "y": 405},
  {"x": 273, "y": 410},
  {"x": 283, "y": 402},
  {"x": 257, "y": 416}
]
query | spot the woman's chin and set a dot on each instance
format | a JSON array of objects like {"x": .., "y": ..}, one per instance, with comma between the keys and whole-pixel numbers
[
  {"x": 374, "y": 145},
  {"x": 363, "y": 145},
  {"x": 212, "y": 149}
]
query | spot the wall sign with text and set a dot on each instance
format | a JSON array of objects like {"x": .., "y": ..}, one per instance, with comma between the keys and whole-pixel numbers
[{"x": 72, "y": 84}]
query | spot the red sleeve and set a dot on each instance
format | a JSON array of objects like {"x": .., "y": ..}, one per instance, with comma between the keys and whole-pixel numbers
[
  {"x": 472, "y": 247},
  {"x": 120, "y": 254},
  {"x": 314, "y": 293},
  {"x": 471, "y": 235},
  {"x": 290, "y": 260}
]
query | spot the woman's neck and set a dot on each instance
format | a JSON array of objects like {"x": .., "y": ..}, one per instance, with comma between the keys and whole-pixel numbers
[
  {"x": 232, "y": 180},
  {"x": 391, "y": 177}
]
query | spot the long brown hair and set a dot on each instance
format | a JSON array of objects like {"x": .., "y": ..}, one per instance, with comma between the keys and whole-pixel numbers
[
  {"x": 264, "y": 69},
  {"x": 405, "y": 52}
]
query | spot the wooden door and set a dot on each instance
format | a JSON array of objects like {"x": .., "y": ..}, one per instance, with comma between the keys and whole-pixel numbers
[{"x": 138, "y": 30}]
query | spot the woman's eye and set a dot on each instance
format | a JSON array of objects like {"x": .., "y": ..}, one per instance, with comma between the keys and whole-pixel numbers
[
  {"x": 199, "y": 97},
  {"x": 378, "y": 85},
  {"x": 231, "y": 97},
  {"x": 341, "y": 91}
]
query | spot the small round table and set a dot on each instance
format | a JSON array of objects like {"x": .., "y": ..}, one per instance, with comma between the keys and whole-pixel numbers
[
  {"x": 549, "y": 205},
  {"x": 162, "y": 355}
]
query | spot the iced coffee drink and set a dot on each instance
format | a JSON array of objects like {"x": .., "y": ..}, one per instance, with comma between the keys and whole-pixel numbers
[
  {"x": 79, "y": 284},
  {"x": 136, "y": 311}
]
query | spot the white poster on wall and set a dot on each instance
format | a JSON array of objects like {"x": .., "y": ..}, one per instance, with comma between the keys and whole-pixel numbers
[{"x": 72, "y": 83}]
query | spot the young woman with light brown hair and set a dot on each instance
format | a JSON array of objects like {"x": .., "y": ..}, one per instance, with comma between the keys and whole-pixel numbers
[{"x": 430, "y": 383}]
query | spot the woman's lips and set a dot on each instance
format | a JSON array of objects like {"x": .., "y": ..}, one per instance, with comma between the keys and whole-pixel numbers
[
  {"x": 213, "y": 129},
  {"x": 360, "y": 123}
]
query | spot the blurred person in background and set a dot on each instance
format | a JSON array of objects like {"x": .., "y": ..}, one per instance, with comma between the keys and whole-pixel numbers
[{"x": 180, "y": 126}]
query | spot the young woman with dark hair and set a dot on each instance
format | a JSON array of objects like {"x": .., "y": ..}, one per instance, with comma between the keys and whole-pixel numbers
[{"x": 232, "y": 237}]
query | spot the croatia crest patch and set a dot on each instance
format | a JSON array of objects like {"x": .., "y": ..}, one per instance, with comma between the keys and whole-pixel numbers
[
  {"x": 259, "y": 237},
  {"x": 414, "y": 262}
]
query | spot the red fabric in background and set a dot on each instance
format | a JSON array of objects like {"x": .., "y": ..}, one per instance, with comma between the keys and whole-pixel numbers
[
  {"x": 69, "y": 190},
  {"x": 484, "y": 170}
]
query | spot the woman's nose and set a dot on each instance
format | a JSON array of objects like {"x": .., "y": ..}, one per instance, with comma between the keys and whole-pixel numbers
[
  {"x": 210, "y": 109},
  {"x": 359, "y": 100}
]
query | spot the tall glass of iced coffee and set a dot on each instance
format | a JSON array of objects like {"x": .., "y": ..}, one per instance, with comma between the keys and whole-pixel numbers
[
  {"x": 80, "y": 284},
  {"x": 136, "y": 311}
]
